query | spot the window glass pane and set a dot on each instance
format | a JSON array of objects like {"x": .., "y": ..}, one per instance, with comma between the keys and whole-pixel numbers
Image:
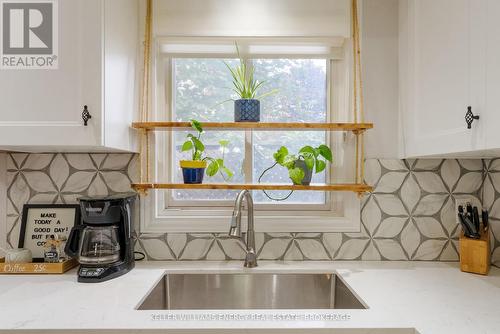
[
  {"x": 301, "y": 85},
  {"x": 200, "y": 85},
  {"x": 301, "y": 97}
]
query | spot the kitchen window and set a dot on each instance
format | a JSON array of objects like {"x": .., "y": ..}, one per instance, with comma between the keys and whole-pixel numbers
[{"x": 192, "y": 82}]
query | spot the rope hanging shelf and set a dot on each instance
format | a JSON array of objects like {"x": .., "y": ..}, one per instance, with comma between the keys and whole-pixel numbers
[
  {"x": 260, "y": 126},
  {"x": 358, "y": 127},
  {"x": 255, "y": 186}
]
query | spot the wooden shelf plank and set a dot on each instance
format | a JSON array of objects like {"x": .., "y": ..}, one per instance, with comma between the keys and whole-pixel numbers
[
  {"x": 359, "y": 188},
  {"x": 240, "y": 126}
]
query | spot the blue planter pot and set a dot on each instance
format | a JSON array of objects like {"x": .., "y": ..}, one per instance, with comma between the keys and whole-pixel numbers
[
  {"x": 247, "y": 110},
  {"x": 193, "y": 175}
]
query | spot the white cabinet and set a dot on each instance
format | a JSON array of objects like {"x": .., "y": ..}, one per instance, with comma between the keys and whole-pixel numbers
[
  {"x": 492, "y": 118},
  {"x": 41, "y": 109},
  {"x": 442, "y": 71}
]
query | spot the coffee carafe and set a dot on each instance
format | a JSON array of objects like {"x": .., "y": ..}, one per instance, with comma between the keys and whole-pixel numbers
[{"x": 102, "y": 242}]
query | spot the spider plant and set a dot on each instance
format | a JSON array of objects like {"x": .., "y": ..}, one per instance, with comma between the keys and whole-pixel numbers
[{"x": 244, "y": 83}]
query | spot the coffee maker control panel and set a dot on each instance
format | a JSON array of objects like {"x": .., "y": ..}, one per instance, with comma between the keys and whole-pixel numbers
[{"x": 90, "y": 272}]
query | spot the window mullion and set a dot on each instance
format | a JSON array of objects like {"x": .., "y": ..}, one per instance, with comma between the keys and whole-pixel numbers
[{"x": 248, "y": 161}]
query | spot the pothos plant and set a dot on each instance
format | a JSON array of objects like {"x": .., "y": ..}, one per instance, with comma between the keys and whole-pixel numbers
[
  {"x": 314, "y": 158},
  {"x": 197, "y": 148}
]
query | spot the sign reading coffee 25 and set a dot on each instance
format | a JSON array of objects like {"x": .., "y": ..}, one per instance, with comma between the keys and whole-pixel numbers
[{"x": 29, "y": 34}]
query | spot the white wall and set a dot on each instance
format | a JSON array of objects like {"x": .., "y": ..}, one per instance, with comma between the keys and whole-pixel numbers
[
  {"x": 380, "y": 69},
  {"x": 252, "y": 18}
]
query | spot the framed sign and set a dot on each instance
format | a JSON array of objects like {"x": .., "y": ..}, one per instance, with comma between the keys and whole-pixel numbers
[{"x": 40, "y": 221}]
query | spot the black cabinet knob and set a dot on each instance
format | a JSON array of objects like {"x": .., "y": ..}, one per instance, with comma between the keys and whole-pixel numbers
[
  {"x": 470, "y": 117},
  {"x": 86, "y": 115}
]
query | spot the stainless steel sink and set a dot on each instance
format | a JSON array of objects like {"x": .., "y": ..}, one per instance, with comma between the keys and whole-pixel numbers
[{"x": 250, "y": 291}]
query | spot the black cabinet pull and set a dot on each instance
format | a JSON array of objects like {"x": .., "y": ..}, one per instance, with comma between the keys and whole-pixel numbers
[
  {"x": 86, "y": 115},
  {"x": 470, "y": 117}
]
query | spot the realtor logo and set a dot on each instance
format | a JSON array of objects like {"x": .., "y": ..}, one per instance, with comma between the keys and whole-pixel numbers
[{"x": 29, "y": 34}]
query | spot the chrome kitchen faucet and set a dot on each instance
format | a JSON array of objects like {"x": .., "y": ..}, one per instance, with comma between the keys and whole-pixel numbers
[{"x": 235, "y": 228}]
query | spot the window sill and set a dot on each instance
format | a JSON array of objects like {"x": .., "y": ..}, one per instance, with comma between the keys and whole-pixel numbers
[{"x": 217, "y": 220}]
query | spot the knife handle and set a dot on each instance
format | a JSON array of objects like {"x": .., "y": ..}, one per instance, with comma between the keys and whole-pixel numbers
[
  {"x": 475, "y": 219},
  {"x": 469, "y": 208},
  {"x": 485, "y": 217},
  {"x": 468, "y": 227}
]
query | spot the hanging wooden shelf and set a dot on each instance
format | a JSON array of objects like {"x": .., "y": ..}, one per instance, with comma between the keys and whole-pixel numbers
[
  {"x": 358, "y": 188},
  {"x": 357, "y": 128},
  {"x": 240, "y": 126}
]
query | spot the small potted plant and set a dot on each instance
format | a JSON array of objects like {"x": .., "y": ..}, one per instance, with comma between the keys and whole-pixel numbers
[
  {"x": 301, "y": 166},
  {"x": 247, "y": 107},
  {"x": 194, "y": 169}
]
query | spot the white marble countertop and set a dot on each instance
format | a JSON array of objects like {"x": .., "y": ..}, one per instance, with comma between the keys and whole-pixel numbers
[{"x": 429, "y": 297}]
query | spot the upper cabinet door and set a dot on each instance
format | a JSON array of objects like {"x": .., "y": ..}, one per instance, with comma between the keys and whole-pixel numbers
[
  {"x": 492, "y": 118},
  {"x": 442, "y": 71},
  {"x": 43, "y": 107}
]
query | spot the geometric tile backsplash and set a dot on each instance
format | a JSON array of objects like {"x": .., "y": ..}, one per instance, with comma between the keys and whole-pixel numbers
[
  {"x": 409, "y": 216},
  {"x": 491, "y": 201},
  {"x": 61, "y": 178}
]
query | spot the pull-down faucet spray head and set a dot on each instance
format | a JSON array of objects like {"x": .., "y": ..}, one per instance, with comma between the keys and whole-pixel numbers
[{"x": 235, "y": 227}]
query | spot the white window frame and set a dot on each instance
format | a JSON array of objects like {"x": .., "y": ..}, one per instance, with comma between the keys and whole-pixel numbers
[
  {"x": 166, "y": 173},
  {"x": 340, "y": 214}
]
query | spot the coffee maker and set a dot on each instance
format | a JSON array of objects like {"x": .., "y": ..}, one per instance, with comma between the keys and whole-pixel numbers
[{"x": 102, "y": 241}]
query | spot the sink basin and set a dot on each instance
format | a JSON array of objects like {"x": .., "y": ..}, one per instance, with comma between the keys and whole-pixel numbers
[{"x": 250, "y": 291}]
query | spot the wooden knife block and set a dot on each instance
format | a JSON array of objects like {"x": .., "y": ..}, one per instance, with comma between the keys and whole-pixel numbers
[{"x": 475, "y": 254}]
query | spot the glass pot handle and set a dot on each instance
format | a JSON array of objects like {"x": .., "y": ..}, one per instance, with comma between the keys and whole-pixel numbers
[{"x": 73, "y": 243}]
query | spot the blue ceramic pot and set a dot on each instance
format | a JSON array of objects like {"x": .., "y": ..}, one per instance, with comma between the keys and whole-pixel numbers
[
  {"x": 193, "y": 171},
  {"x": 193, "y": 175},
  {"x": 247, "y": 110}
]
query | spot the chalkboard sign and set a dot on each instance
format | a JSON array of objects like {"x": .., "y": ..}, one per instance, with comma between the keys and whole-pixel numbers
[{"x": 40, "y": 221}]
